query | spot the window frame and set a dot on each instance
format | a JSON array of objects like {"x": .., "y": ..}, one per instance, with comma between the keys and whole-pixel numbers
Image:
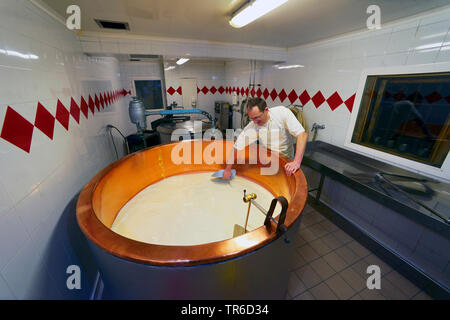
[{"x": 442, "y": 173}]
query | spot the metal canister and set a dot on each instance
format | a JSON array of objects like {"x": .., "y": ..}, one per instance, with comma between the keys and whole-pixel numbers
[{"x": 136, "y": 111}]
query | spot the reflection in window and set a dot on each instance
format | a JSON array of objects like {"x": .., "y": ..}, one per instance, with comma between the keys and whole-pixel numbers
[
  {"x": 406, "y": 115},
  {"x": 149, "y": 91}
]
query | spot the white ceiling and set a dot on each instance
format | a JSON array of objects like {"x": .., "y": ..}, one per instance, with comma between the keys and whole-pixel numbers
[{"x": 294, "y": 23}]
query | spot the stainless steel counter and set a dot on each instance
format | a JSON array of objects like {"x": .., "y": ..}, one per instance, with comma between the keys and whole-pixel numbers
[{"x": 361, "y": 173}]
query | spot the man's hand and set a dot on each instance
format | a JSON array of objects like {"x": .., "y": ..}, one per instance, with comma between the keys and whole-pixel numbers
[
  {"x": 291, "y": 167},
  {"x": 227, "y": 174}
]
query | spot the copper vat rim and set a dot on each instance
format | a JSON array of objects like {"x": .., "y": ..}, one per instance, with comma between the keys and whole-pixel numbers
[{"x": 191, "y": 255}]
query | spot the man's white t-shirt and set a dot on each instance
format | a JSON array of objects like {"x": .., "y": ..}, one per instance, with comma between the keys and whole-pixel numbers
[{"x": 282, "y": 125}]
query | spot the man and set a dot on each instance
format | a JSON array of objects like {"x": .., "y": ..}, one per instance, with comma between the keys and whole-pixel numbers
[{"x": 279, "y": 120}]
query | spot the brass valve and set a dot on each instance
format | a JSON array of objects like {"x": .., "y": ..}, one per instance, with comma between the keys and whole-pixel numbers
[{"x": 248, "y": 197}]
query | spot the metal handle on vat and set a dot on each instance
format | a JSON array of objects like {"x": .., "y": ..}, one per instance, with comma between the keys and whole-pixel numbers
[{"x": 281, "y": 228}]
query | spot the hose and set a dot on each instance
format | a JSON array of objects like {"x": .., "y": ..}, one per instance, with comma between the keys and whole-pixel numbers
[
  {"x": 244, "y": 104},
  {"x": 109, "y": 126},
  {"x": 381, "y": 177}
]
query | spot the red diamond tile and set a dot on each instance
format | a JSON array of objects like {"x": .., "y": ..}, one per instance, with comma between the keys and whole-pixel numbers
[
  {"x": 221, "y": 90},
  {"x": 349, "y": 102},
  {"x": 334, "y": 101},
  {"x": 84, "y": 107},
  {"x": 62, "y": 115},
  {"x": 213, "y": 90},
  {"x": 179, "y": 90},
  {"x": 246, "y": 91},
  {"x": 259, "y": 93},
  {"x": 97, "y": 102},
  {"x": 91, "y": 104},
  {"x": 74, "y": 110},
  {"x": 387, "y": 95},
  {"x": 102, "y": 101},
  {"x": 204, "y": 90},
  {"x": 265, "y": 93},
  {"x": 282, "y": 95},
  {"x": 17, "y": 130},
  {"x": 433, "y": 97},
  {"x": 292, "y": 96},
  {"x": 304, "y": 97},
  {"x": 105, "y": 95},
  {"x": 447, "y": 98},
  {"x": 242, "y": 91},
  {"x": 44, "y": 121},
  {"x": 226, "y": 90},
  {"x": 273, "y": 94},
  {"x": 252, "y": 92},
  {"x": 318, "y": 99},
  {"x": 171, "y": 91}
]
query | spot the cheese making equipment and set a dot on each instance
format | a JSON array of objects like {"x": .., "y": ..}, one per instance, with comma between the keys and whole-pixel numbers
[
  {"x": 172, "y": 120},
  {"x": 250, "y": 265}
]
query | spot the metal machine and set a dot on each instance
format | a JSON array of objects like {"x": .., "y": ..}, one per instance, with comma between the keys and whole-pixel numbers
[
  {"x": 171, "y": 120},
  {"x": 223, "y": 114}
]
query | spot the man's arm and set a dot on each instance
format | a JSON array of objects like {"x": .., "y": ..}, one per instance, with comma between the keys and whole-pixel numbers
[
  {"x": 293, "y": 166},
  {"x": 246, "y": 137}
]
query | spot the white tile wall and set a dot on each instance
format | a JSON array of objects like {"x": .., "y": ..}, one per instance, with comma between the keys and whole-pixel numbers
[
  {"x": 336, "y": 65},
  {"x": 207, "y": 74},
  {"x": 36, "y": 187}
]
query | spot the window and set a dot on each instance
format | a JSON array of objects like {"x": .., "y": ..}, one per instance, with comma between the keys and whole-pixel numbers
[
  {"x": 406, "y": 115},
  {"x": 150, "y": 92}
]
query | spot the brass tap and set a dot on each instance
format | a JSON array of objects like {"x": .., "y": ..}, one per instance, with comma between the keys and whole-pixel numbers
[{"x": 248, "y": 197}]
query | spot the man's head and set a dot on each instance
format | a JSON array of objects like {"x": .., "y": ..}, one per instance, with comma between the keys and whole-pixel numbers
[{"x": 257, "y": 111}]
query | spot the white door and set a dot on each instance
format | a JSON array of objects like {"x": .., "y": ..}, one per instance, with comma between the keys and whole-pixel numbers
[{"x": 189, "y": 93}]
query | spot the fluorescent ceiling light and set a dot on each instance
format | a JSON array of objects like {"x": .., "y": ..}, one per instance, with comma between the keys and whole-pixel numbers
[
  {"x": 19, "y": 54},
  {"x": 181, "y": 61},
  {"x": 169, "y": 68},
  {"x": 429, "y": 46},
  {"x": 253, "y": 10},
  {"x": 290, "y": 66}
]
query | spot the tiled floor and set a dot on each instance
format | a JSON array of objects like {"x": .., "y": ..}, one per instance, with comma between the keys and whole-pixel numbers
[{"x": 330, "y": 264}]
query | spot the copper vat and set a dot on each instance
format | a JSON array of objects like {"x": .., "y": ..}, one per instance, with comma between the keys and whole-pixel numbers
[{"x": 251, "y": 266}]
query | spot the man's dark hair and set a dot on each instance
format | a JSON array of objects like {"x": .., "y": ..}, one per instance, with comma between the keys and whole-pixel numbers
[{"x": 257, "y": 102}]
